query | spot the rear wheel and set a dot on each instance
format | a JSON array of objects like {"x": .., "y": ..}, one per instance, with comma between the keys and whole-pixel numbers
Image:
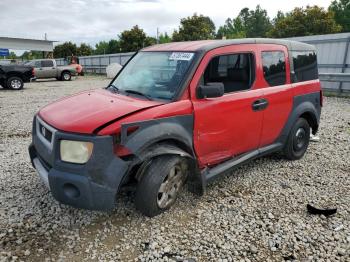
[
  {"x": 160, "y": 184},
  {"x": 15, "y": 83},
  {"x": 298, "y": 140},
  {"x": 66, "y": 76}
]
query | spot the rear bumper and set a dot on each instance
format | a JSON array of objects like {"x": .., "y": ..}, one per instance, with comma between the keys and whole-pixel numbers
[{"x": 93, "y": 185}]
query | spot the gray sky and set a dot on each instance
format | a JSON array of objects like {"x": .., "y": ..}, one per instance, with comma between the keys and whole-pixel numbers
[{"x": 94, "y": 20}]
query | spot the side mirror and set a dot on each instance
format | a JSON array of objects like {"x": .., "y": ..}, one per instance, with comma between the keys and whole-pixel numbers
[{"x": 210, "y": 90}]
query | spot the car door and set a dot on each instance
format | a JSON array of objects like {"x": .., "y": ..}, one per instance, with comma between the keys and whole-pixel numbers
[
  {"x": 39, "y": 73},
  {"x": 227, "y": 126},
  {"x": 277, "y": 91},
  {"x": 48, "y": 69}
]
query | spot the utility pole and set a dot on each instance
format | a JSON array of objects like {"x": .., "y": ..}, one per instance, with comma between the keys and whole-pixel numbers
[
  {"x": 157, "y": 35},
  {"x": 43, "y": 53}
]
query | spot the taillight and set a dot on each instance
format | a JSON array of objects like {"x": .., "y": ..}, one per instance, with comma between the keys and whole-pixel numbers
[
  {"x": 321, "y": 98},
  {"x": 33, "y": 72}
]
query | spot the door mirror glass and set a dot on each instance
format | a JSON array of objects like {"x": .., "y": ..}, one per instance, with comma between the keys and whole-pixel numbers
[{"x": 210, "y": 90}]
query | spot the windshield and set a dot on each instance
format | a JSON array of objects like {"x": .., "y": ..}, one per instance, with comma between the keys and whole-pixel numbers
[{"x": 153, "y": 75}]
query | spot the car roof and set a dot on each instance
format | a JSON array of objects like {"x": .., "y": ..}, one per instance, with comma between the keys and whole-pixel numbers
[{"x": 206, "y": 45}]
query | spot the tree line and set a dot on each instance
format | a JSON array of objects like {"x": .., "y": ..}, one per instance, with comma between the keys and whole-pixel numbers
[{"x": 311, "y": 20}]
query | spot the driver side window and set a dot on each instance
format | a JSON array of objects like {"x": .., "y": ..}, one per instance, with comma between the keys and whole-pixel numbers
[{"x": 235, "y": 71}]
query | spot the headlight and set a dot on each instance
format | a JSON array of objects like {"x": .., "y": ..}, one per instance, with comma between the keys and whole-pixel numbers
[{"x": 75, "y": 151}]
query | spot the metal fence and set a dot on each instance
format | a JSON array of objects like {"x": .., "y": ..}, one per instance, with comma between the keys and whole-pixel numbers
[
  {"x": 98, "y": 63},
  {"x": 333, "y": 57}
]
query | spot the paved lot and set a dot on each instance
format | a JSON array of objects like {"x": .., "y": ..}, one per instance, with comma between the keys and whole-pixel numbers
[{"x": 256, "y": 214}]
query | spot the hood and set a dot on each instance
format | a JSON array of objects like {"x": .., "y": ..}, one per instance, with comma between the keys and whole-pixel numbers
[{"x": 86, "y": 111}]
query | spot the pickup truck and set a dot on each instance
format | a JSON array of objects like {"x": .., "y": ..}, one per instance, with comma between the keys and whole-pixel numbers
[
  {"x": 14, "y": 76},
  {"x": 47, "y": 68}
]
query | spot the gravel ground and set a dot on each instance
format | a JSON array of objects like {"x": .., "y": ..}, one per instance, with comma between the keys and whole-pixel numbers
[{"x": 256, "y": 214}]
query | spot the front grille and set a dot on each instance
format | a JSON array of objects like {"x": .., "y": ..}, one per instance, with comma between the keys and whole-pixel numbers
[{"x": 46, "y": 133}]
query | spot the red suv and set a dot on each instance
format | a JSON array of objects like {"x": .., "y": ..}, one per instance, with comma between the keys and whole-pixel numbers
[{"x": 178, "y": 113}]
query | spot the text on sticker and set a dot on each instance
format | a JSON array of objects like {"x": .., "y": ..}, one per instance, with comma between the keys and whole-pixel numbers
[{"x": 181, "y": 56}]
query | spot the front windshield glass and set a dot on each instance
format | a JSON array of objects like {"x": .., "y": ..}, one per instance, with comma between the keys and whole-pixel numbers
[{"x": 153, "y": 75}]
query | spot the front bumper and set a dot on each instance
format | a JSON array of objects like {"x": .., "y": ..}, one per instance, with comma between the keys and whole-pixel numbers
[{"x": 93, "y": 185}]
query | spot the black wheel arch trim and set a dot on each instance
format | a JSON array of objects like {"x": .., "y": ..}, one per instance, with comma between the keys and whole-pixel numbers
[
  {"x": 308, "y": 104},
  {"x": 163, "y": 136},
  {"x": 150, "y": 132}
]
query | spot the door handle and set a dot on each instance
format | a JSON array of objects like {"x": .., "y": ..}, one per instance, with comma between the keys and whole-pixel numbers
[{"x": 260, "y": 104}]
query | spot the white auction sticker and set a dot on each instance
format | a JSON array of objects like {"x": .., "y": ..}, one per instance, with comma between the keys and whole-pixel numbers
[{"x": 181, "y": 56}]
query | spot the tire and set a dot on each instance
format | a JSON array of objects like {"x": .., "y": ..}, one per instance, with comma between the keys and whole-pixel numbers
[
  {"x": 160, "y": 184},
  {"x": 298, "y": 140},
  {"x": 66, "y": 76},
  {"x": 15, "y": 83}
]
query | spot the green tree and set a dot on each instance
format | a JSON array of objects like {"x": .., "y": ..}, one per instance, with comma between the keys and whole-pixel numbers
[
  {"x": 255, "y": 22},
  {"x": 12, "y": 55},
  {"x": 64, "y": 50},
  {"x": 280, "y": 16},
  {"x": 113, "y": 46},
  {"x": 134, "y": 39},
  {"x": 248, "y": 23},
  {"x": 29, "y": 55},
  {"x": 312, "y": 20},
  {"x": 341, "y": 10},
  {"x": 233, "y": 28},
  {"x": 84, "y": 50},
  {"x": 164, "y": 38},
  {"x": 196, "y": 27},
  {"x": 101, "y": 48}
]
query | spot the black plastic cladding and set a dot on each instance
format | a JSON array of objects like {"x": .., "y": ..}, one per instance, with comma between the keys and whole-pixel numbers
[
  {"x": 177, "y": 128},
  {"x": 97, "y": 180},
  {"x": 308, "y": 103}
]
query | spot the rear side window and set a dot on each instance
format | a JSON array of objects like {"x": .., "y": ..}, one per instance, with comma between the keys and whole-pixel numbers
[
  {"x": 274, "y": 66},
  {"x": 46, "y": 63},
  {"x": 235, "y": 71},
  {"x": 305, "y": 66}
]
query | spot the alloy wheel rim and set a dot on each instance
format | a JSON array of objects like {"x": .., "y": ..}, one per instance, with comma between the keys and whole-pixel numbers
[
  {"x": 15, "y": 84},
  {"x": 66, "y": 76},
  {"x": 170, "y": 186}
]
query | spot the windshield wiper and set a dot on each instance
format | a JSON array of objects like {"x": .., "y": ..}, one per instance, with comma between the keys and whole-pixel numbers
[
  {"x": 114, "y": 88},
  {"x": 137, "y": 93}
]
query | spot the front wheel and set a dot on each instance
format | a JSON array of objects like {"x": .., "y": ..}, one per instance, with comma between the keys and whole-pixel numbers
[
  {"x": 160, "y": 184},
  {"x": 298, "y": 140},
  {"x": 15, "y": 83}
]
